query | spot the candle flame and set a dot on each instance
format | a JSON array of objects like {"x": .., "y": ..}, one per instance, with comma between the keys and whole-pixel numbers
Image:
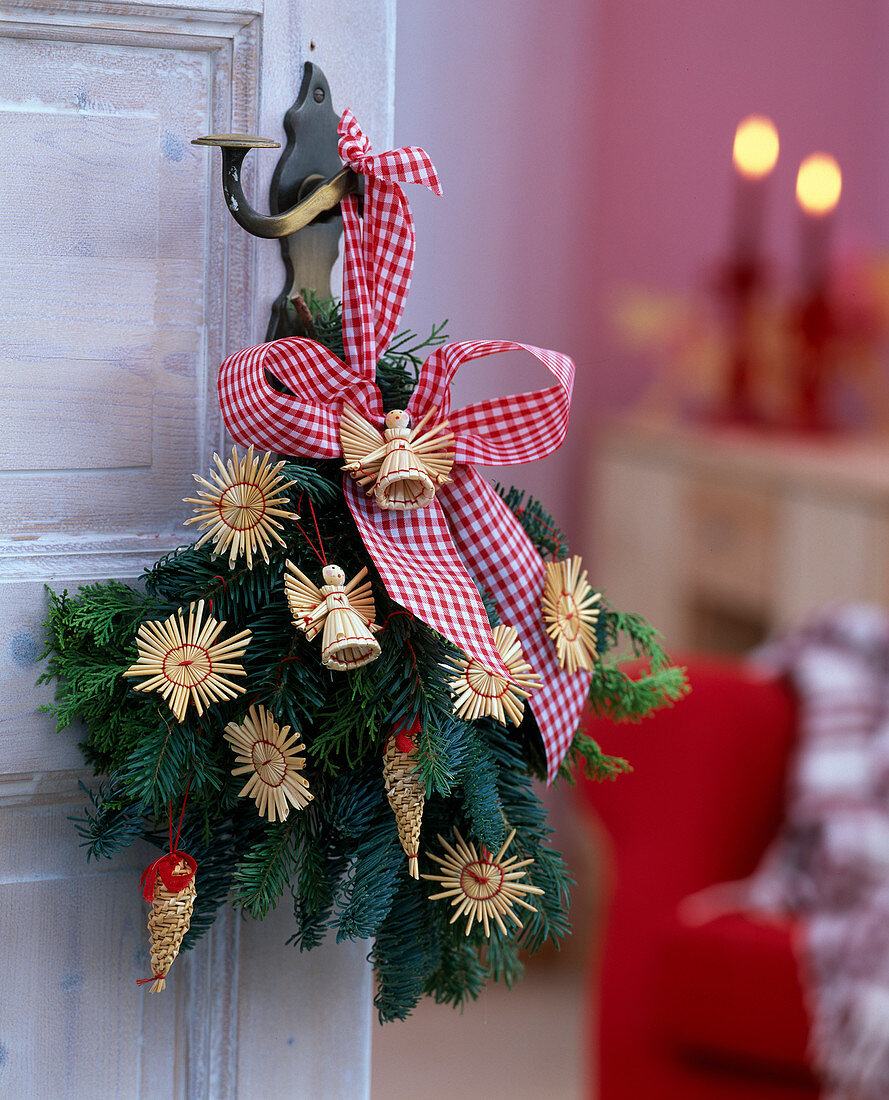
[
  {"x": 755, "y": 151},
  {"x": 818, "y": 184}
]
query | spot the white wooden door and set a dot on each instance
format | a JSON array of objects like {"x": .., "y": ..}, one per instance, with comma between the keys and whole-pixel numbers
[{"x": 123, "y": 285}]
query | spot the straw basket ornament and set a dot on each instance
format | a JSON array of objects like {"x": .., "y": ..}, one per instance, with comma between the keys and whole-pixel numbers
[
  {"x": 274, "y": 762},
  {"x": 403, "y": 465},
  {"x": 479, "y": 693},
  {"x": 482, "y": 887},
  {"x": 185, "y": 663},
  {"x": 406, "y": 793},
  {"x": 241, "y": 508},
  {"x": 342, "y": 613},
  {"x": 172, "y": 901},
  {"x": 570, "y": 613}
]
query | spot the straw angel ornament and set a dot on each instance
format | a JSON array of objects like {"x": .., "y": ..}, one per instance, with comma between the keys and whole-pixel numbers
[
  {"x": 404, "y": 466},
  {"x": 342, "y": 613}
]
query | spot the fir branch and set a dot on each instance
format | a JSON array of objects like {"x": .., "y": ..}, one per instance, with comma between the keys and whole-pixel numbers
[
  {"x": 501, "y": 953},
  {"x": 480, "y": 778},
  {"x": 360, "y": 811},
  {"x": 113, "y": 823},
  {"x": 264, "y": 872},
  {"x": 617, "y": 695},
  {"x": 536, "y": 522},
  {"x": 169, "y": 756},
  {"x": 398, "y": 370},
  {"x": 460, "y": 975},
  {"x": 586, "y": 757},
  {"x": 405, "y": 950},
  {"x": 366, "y": 892},
  {"x": 321, "y": 867}
]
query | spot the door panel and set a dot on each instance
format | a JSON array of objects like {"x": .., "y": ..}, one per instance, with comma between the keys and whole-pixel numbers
[{"x": 111, "y": 269}]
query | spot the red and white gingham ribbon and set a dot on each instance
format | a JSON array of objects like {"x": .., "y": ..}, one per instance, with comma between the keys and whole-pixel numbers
[{"x": 421, "y": 555}]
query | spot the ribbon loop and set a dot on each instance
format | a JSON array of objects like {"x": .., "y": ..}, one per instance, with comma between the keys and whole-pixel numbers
[
  {"x": 409, "y": 164},
  {"x": 304, "y": 421},
  {"x": 500, "y": 431},
  {"x": 379, "y": 254}
]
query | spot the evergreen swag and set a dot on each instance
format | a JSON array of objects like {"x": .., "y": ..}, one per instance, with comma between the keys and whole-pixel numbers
[{"x": 338, "y": 860}]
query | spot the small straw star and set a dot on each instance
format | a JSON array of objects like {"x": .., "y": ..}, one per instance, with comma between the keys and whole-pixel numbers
[
  {"x": 482, "y": 887},
  {"x": 241, "y": 508},
  {"x": 570, "y": 613},
  {"x": 185, "y": 663},
  {"x": 263, "y": 748},
  {"x": 479, "y": 693}
]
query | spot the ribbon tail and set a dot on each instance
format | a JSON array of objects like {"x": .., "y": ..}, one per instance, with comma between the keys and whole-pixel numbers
[
  {"x": 421, "y": 569},
  {"x": 502, "y": 557},
  {"x": 378, "y": 259}
]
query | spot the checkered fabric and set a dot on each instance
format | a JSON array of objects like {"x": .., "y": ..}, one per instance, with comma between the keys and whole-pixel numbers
[
  {"x": 501, "y": 431},
  {"x": 304, "y": 421},
  {"x": 421, "y": 555},
  {"x": 502, "y": 557},
  {"x": 420, "y": 566},
  {"x": 379, "y": 255}
]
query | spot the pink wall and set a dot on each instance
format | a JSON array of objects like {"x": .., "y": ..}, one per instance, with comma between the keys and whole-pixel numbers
[
  {"x": 587, "y": 146},
  {"x": 498, "y": 93},
  {"x": 673, "y": 81}
]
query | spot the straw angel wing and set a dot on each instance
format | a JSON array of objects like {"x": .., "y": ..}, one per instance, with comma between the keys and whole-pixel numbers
[{"x": 305, "y": 599}]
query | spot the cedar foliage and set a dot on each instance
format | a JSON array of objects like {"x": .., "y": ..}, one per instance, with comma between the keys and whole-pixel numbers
[{"x": 338, "y": 861}]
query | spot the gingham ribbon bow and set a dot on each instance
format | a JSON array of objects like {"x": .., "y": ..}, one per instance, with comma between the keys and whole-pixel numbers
[{"x": 421, "y": 555}]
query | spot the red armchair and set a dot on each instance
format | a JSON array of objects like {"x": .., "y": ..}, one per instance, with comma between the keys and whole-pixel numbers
[{"x": 714, "y": 1011}]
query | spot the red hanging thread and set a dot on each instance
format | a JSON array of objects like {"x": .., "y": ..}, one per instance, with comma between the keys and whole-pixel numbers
[
  {"x": 216, "y": 577},
  {"x": 394, "y": 615},
  {"x": 319, "y": 553}
]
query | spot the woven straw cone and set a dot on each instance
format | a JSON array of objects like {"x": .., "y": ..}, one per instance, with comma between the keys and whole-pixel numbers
[
  {"x": 168, "y": 922},
  {"x": 407, "y": 796}
]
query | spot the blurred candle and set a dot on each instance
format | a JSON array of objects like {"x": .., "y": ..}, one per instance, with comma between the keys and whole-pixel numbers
[
  {"x": 819, "y": 183},
  {"x": 818, "y": 186},
  {"x": 755, "y": 154},
  {"x": 742, "y": 277}
]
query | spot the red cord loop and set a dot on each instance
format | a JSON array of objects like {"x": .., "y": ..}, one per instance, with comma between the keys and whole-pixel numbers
[{"x": 319, "y": 553}]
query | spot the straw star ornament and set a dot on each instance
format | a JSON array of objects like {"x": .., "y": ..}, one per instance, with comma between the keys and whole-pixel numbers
[
  {"x": 570, "y": 614},
  {"x": 482, "y": 887},
  {"x": 185, "y": 663},
  {"x": 479, "y": 693},
  {"x": 241, "y": 508},
  {"x": 275, "y": 760}
]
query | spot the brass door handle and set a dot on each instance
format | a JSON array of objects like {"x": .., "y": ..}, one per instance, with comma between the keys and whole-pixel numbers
[
  {"x": 322, "y": 196},
  {"x": 307, "y": 186}
]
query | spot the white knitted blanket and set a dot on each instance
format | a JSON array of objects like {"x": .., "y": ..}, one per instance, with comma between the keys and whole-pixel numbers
[{"x": 830, "y": 863}]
